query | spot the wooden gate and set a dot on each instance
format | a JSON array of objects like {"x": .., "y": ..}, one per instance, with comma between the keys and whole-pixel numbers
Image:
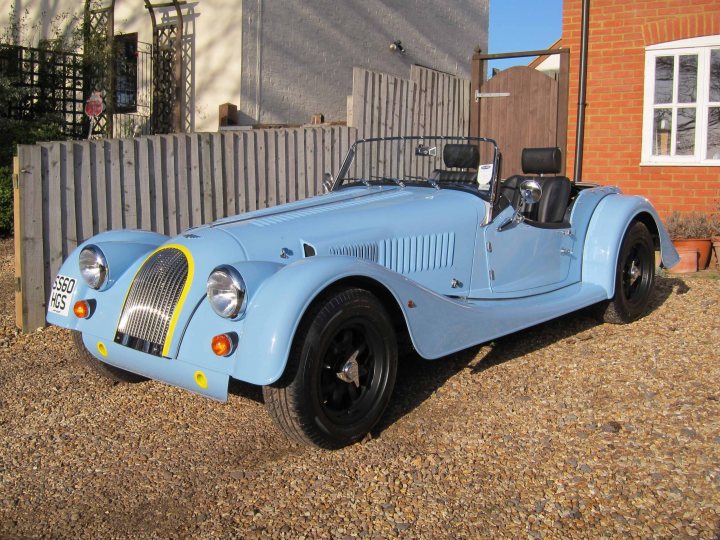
[{"x": 520, "y": 107}]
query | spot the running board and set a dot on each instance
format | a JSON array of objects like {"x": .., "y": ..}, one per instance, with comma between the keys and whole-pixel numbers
[{"x": 470, "y": 322}]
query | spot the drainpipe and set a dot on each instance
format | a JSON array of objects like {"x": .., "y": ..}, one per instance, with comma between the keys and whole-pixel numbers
[{"x": 582, "y": 90}]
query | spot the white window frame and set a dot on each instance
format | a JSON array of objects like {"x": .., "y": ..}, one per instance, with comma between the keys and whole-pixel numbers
[{"x": 695, "y": 46}]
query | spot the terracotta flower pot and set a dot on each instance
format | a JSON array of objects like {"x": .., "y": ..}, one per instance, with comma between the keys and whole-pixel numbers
[
  {"x": 701, "y": 245},
  {"x": 688, "y": 261}
]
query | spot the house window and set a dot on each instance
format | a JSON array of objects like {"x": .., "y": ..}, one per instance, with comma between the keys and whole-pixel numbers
[
  {"x": 681, "y": 120},
  {"x": 126, "y": 71}
]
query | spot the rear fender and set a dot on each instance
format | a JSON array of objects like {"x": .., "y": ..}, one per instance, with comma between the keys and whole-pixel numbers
[{"x": 608, "y": 225}]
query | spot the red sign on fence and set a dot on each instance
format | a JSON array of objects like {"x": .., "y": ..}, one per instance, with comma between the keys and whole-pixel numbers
[{"x": 94, "y": 105}]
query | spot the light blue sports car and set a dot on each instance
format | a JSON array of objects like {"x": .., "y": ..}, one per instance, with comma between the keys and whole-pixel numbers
[{"x": 417, "y": 240}]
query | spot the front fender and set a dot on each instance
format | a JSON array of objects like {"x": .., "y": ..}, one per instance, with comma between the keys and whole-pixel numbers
[
  {"x": 121, "y": 248},
  {"x": 611, "y": 219},
  {"x": 275, "y": 310}
]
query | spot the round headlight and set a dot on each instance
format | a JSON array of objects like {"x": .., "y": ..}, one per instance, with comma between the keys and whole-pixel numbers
[
  {"x": 226, "y": 292},
  {"x": 93, "y": 266}
]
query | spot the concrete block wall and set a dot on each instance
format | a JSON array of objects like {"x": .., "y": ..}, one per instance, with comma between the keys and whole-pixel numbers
[{"x": 308, "y": 50}]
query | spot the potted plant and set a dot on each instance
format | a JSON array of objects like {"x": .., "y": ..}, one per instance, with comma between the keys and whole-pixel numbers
[{"x": 691, "y": 234}]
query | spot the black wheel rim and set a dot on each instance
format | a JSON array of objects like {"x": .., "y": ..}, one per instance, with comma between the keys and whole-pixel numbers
[
  {"x": 636, "y": 274},
  {"x": 343, "y": 398}
]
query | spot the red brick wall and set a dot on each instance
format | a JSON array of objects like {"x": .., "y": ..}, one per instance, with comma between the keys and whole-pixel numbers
[{"x": 619, "y": 32}]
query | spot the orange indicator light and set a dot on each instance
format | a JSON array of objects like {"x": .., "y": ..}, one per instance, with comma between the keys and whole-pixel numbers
[
  {"x": 81, "y": 309},
  {"x": 221, "y": 345}
]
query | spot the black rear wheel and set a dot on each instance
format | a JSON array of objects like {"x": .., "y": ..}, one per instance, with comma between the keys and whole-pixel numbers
[
  {"x": 340, "y": 373},
  {"x": 634, "y": 277}
]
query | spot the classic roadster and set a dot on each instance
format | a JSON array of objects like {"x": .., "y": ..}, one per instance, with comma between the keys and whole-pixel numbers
[{"x": 417, "y": 240}]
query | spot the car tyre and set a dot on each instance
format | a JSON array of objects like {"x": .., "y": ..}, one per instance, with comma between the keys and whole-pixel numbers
[
  {"x": 340, "y": 373},
  {"x": 634, "y": 277},
  {"x": 112, "y": 373}
]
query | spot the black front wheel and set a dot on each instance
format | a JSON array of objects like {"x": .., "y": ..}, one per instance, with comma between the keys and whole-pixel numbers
[
  {"x": 634, "y": 277},
  {"x": 112, "y": 373},
  {"x": 340, "y": 373}
]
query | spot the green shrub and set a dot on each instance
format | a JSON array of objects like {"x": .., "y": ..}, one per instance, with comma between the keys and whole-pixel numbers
[{"x": 12, "y": 133}]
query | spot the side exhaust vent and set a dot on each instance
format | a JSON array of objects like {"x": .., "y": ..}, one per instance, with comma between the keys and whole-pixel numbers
[
  {"x": 418, "y": 253},
  {"x": 361, "y": 251}
]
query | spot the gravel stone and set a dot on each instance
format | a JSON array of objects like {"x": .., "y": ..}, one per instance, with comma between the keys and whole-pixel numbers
[
  {"x": 524, "y": 437},
  {"x": 611, "y": 427}
]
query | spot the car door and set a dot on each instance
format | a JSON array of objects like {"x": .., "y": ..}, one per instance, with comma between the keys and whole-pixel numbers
[{"x": 527, "y": 258}]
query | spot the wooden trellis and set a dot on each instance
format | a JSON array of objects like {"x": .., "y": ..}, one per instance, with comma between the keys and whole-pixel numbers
[
  {"x": 52, "y": 84},
  {"x": 99, "y": 67},
  {"x": 168, "y": 103}
]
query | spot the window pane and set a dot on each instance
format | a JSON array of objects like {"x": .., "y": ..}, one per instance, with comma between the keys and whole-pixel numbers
[
  {"x": 713, "y": 147},
  {"x": 685, "y": 145},
  {"x": 125, "y": 49},
  {"x": 664, "y": 66},
  {"x": 661, "y": 132},
  {"x": 715, "y": 75},
  {"x": 687, "y": 79}
]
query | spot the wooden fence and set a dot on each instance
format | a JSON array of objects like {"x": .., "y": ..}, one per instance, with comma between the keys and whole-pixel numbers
[
  {"x": 68, "y": 191},
  {"x": 429, "y": 103}
]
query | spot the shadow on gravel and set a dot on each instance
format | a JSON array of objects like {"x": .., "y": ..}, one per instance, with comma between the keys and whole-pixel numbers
[
  {"x": 664, "y": 287},
  {"x": 418, "y": 379},
  {"x": 245, "y": 390}
]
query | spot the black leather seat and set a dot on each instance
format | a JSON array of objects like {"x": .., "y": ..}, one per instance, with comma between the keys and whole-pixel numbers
[
  {"x": 555, "y": 199},
  {"x": 459, "y": 156},
  {"x": 556, "y": 190}
]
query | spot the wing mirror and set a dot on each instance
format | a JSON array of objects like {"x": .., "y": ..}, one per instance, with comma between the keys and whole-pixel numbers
[
  {"x": 530, "y": 193},
  {"x": 328, "y": 182}
]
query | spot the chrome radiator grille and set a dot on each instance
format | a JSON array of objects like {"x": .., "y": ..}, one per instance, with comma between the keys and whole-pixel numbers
[{"x": 151, "y": 301}]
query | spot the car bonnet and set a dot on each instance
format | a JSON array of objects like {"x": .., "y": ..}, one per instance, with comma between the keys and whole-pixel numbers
[{"x": 325, "y": 225}]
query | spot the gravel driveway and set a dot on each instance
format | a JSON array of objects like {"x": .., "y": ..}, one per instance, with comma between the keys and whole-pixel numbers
[{"x": 568, "y": 429}]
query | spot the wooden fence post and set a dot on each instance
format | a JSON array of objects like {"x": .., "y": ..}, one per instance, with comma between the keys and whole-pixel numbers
[
  {"x": 477, "y": 77},
  {"x": 30, "y": 293},
  {"x": 17, "y": 227}
]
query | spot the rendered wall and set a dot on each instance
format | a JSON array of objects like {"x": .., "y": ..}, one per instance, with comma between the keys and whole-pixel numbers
[
  {"x": 213, "y": 29},
  {"x": 307, "y": 49},
  {"x": 619, "y": 32}
]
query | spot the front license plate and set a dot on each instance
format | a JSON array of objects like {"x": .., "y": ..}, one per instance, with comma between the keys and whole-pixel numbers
[{"x": 61, "y": 295}]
